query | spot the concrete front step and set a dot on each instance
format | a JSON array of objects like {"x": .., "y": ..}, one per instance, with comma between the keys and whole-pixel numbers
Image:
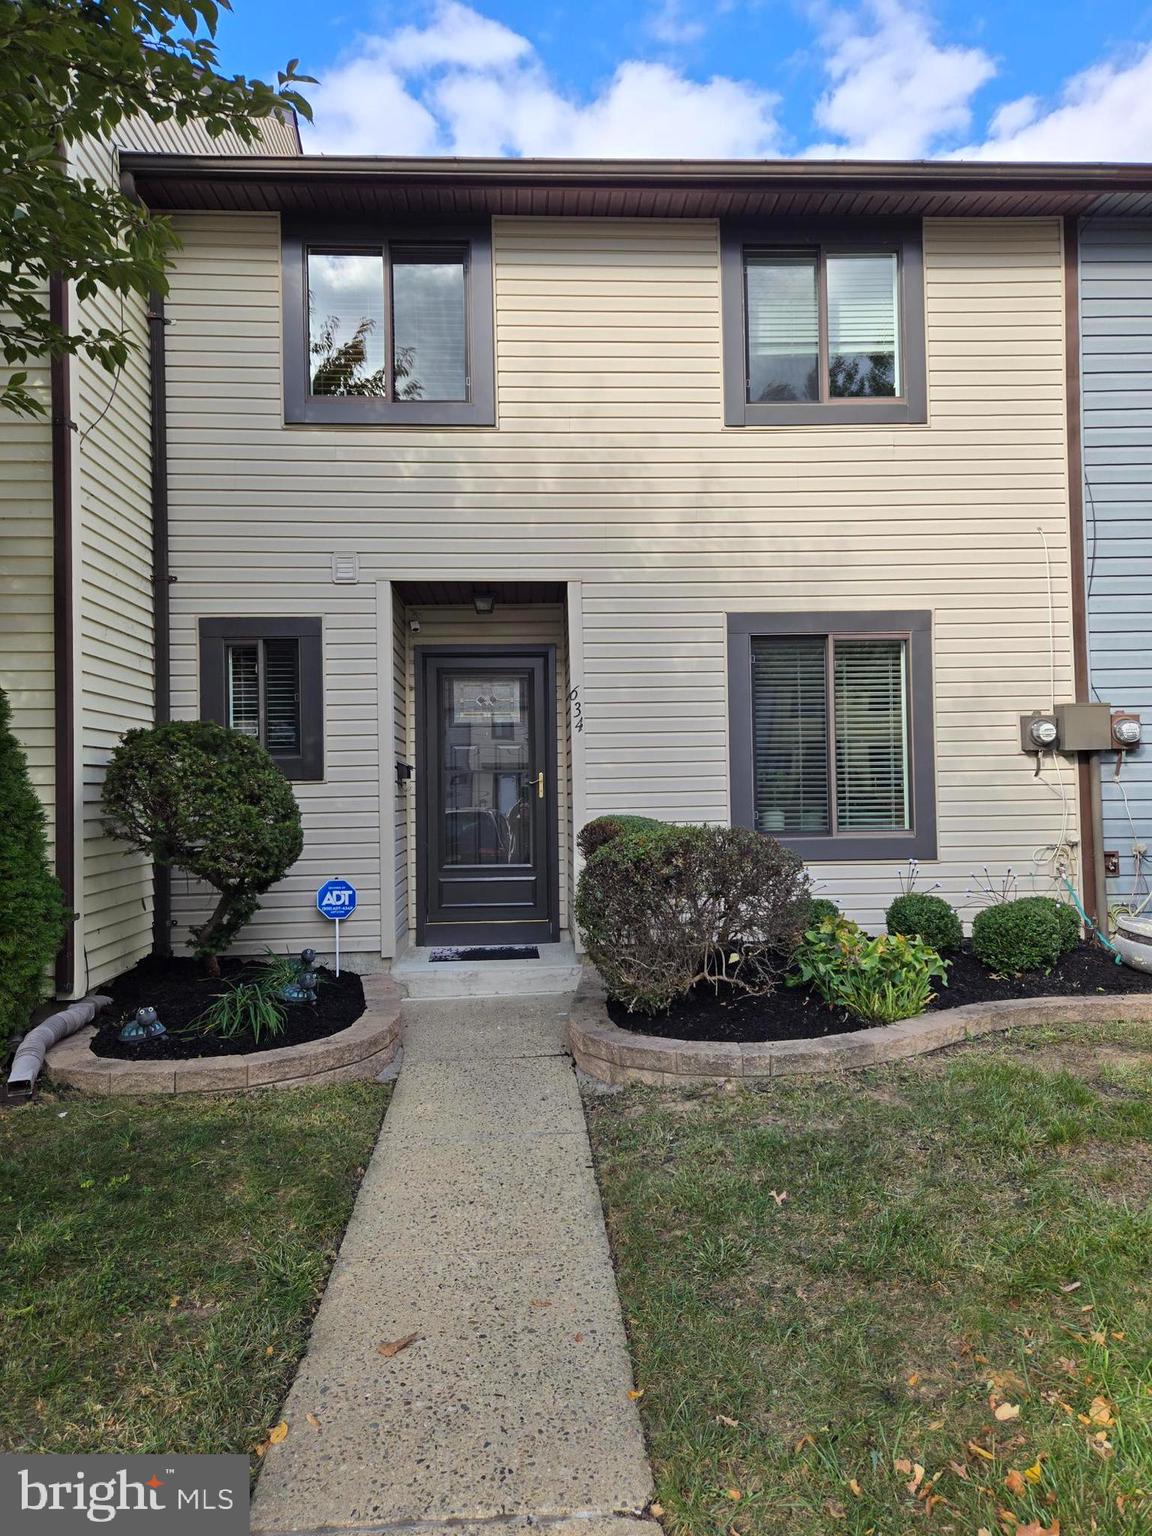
[{"x": 556, "y": 971}]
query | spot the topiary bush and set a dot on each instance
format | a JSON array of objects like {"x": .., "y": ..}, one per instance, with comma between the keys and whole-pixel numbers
[
  {"x": 663, "y": 907},
  {"x": 212, "y": 801},
  {"x": 819, "y": 910},
  {"x": 594, "y": 834},
  {"x": 33, "y": 918},
  {"x": 929, "y": 917},
  {"x": 1030, "y": 934}
]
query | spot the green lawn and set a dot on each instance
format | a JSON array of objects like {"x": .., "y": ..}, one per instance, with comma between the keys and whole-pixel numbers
[
  {"x": 917, "y": 1299},
  {"x": 163, "y": 1259}
]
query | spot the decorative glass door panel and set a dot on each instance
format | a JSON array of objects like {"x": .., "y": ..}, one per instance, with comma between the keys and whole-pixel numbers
[{"x": 487, "y": 798}]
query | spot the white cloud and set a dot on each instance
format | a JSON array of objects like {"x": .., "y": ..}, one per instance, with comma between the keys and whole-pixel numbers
[
  {"x": 669, "y": 23},
  {"x": 1103, "y": 113},
  {"x": 895, "y": 92},
  {"x": 467, "y": 85}
]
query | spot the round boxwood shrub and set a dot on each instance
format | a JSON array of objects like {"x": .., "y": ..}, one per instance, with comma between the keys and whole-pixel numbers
[
  {"x": 33, "y": 919},
  {"x": 213, "y": 802},
  {"x": 663, "y": 907},
  {"x": 819, "y": 909},
  {"x": 929, "y": 917},
  {"x": 1030, "y": 934},
  {"x": 594, "y": 834}
]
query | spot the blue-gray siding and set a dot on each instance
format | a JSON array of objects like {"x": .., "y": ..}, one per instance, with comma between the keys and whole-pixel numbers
[{"x": 1116, "y": 344}]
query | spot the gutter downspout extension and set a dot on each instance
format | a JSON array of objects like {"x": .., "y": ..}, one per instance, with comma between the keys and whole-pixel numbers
[
  {"x": 161, "y": 580},
  {"x": 1093, "y": 879},
  {"x": 63, "y": 637}
]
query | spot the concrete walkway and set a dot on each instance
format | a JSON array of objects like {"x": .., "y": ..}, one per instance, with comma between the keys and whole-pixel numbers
[{"x": 478, "y": 1227}]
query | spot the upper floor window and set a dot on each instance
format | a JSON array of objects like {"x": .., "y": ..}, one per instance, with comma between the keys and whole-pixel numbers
[
  {"x": 388, "y": 329},
  {"x": 823, "y": 326}
]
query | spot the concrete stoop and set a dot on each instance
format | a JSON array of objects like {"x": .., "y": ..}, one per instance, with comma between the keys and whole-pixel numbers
[{"x": 556, "y": 971}]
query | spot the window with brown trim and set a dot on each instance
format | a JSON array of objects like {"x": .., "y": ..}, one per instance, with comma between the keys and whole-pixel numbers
[
  {"x": 264, "y": 678},
  {"x": 388, "y": 327},
  {"x": 831, "y": 732},
  {"x": 823, "y": 325}
]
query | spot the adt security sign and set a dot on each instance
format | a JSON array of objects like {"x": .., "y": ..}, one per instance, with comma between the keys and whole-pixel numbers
[{"x": 336, "y": 899}]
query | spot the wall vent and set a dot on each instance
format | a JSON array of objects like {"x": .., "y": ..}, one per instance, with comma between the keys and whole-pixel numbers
[{"x": 345, "y": 568}]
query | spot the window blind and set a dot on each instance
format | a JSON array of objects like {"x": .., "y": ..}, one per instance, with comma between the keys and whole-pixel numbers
[
  {"x": 783, "y": 327},
  {"x": 282, "y": 696},
  {"x": 430, "y": 358},
  {"x": 243, "y": 689},
  {"x": 863, "y": 325},
  {"x": 790, "y": 733},
  {"x": 870, "y": 689}
]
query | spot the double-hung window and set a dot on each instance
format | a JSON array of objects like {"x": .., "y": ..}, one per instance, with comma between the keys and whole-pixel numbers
[
  {"x": 831, "y": 732},
  {"x": 823, "y": 326},
  {"x": 263, "y": 678},
  {"x": 388, "y": 327}
]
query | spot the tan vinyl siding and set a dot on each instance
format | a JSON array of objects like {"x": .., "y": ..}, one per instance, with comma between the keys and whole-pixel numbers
[
  {"x": 611, "y": 467},
  {"x": 26, "y": 661}
]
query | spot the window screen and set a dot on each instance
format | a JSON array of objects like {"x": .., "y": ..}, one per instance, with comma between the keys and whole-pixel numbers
[
  {"x": 813, "y": 774},
  {"x": 429, "y": 325},
  {"x": 863, "y": 326},
  {"x": 783, "y": 328}
]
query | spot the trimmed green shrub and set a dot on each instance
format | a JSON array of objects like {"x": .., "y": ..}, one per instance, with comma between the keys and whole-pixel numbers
[
  {"x": 1030, "y": 934},
  {"x": 213, "y": 802},
  {"x": 927, "y": 917},
  {"x": 594, "y": 834},
  {"x": 819, "y": 909},
  {"x": 33, "y": 919},
  {"x": 663, "y": 907},
  {"x": 877, "y": 980}
]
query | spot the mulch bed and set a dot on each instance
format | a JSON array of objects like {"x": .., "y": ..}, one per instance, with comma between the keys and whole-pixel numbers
[
  {"x": 180, "y": 991},
  {"x": 796, "y": 1013}
]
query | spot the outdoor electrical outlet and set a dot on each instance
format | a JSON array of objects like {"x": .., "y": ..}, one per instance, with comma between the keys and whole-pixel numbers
[{"x": 1111, "y": 861}]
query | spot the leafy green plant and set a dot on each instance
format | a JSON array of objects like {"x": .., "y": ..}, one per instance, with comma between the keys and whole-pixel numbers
[
  {"x": 33, "y": 919},
  {"x": 1031, "y": 934},
  {"x": 212, "y": 801},
  {"x": 594, "y": 834},
  {"x": 253, "y": 1005},
  {"x": 928, "y": 917},
  {"x": 663, "y": 907},
  {"x": 878, "y": 980},
  {"x": 820, "y": 908}
]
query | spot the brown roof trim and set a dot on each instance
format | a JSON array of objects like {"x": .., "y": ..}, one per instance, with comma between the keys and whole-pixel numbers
[{"x": 635, "y": 188}]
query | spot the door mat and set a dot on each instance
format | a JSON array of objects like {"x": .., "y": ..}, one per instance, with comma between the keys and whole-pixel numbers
[{"x": 488, "y": 952}]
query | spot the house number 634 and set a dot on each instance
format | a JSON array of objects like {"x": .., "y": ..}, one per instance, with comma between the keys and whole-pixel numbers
[{"x": 577, "y": 711}]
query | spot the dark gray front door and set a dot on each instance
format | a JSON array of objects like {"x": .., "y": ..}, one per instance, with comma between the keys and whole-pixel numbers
[{"x": 487, "y": 835}]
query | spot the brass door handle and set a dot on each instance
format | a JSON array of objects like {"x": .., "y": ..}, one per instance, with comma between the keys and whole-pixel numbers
[{"x": 540, "y": 786}]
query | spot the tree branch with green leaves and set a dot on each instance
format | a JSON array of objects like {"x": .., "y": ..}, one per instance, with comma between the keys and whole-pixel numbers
[{"x": 76, "y": 69}]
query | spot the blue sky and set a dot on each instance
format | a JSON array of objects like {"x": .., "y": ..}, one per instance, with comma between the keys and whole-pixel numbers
[{"x": 1019, "y": 79}]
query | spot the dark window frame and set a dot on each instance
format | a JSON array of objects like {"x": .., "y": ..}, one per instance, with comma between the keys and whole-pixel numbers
[
  {"x": 915, "y": 626},
  {"x": 905, "y": 238},
  {"x": 301, "y": 407},
  {"x": 216, "y": 635}
]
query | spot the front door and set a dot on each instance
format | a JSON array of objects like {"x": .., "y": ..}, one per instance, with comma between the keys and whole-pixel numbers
[{"x": 487, "y": 838}]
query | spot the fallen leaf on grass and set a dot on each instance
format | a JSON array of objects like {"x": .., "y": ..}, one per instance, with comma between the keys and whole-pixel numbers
[
  {"x": 1100, "y": 1412},
  {"x": 392, "y": 1347},
  {"x": 735, "y": 1495},
  {"x": 914, "y": 1379},
  {"x": 1034, "y": 1528},
  {"x": 837, "y": 1511},
  {"x": 916, "y": 1479},
  {"x": 656, "y": 1510},
  {"x": 313, "y": 1420},
  {"x": 1007, "y": 1411},
  {"x": 1075, "y": 1286},
  {"x": 279, "y": 1433},
  {"x": 854, "y": 1488},
  {"x": 903, "y": 1466},
  {"x": 1015, "y": 1482},
  {"x": 803, "y": 1441},
  {"x": 636, "y": 1394},
  {"x": 980, "y": 1451},
  {"x": 960, "y": 1469},
  {"x": 270, "y": 1350},
  {"x": 779, "y": 1195},
  {"x": 722, "y": 1418}
]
